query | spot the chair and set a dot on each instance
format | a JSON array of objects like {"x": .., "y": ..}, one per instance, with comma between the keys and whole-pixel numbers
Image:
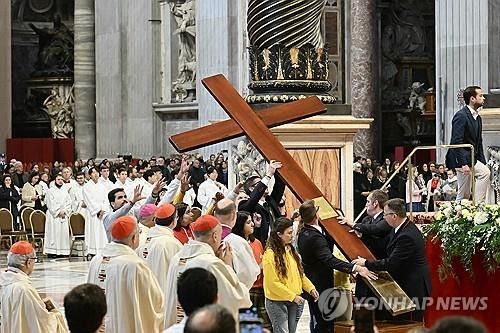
[
  {"x": 77, "y": 231},
  {"x": 37, "y": 222},
  {"x": 7, "y": 227},
  {"x": 25, "y": 220}
]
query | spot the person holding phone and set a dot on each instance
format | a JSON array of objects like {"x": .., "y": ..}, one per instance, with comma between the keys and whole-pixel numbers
[{"x": 284, "y": 279}]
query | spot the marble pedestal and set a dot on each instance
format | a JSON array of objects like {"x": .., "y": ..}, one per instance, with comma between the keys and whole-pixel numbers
[
  {"x": 323, "y": 147},
  {"x": 491, "y": 128}
]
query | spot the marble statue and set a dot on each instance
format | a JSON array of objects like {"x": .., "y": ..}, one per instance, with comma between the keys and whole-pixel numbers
[
  {"x": 247, "y": 160},
  {"x": 55, "y": 49},
  {"x": 185, "y": 15},
  {"x": 61, "y": 114},
  {"x": 417, "y": 97}
]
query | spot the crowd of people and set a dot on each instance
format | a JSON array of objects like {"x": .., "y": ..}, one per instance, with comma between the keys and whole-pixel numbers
[
  {"x": 430, "y": 183},
  {"x": 173, "y": 249}
]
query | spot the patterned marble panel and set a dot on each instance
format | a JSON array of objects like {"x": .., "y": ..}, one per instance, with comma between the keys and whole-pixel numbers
[{"x": 323, "y": 166}]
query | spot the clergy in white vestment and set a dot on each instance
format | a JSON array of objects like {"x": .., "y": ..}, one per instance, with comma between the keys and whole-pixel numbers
[
  {"x": 68, "y": 181},
  {"x": 147, "y": 187},
  {"x": 146, "y": 221},
  {"x": 95, "y": 197},
  {"x": 161, "y": 245},
  {"x": 208, "y": 189},
  {"x": 123, "y": 182},
  {"x": 244, "y": 263},
  {"x": 206, "y": 252},
  {"x": 23, "y": 310},
  {"x": 134, "y": 298},
  {"x": 76, "y": 195},
  {"x": 104, "y": 179},
  {"x": 57, "y": 238}
]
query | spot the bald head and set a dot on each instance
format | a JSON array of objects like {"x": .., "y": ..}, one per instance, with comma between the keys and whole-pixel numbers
[
  {"x": 225, "y": 212},
  {"x": 211, "y": 319}
]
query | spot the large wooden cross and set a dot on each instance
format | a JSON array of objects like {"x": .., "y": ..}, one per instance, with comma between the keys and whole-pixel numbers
[{"x": 255, "y": 126}]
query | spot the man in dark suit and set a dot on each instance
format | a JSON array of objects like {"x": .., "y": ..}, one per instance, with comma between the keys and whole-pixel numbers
[
  {"x": 316, "y": 248},
  {"x": 373, "y": 231},
  {"x": 466, "y": 128},
  {"x": 263, "y": 203},
  {"x": 406, "y": 260}
]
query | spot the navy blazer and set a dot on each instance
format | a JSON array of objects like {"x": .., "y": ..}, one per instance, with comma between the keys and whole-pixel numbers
[
  {"x": 316, "y": 249},
  {"x": 406, "y": 261},
  {"x": 374, "y": 234},
  {"x": 464, "y": 129}
]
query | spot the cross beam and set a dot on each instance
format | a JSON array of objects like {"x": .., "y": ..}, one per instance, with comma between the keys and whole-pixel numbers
[
  {"x": 229, "y": 129},
  {"x": 297, "y": 180}
]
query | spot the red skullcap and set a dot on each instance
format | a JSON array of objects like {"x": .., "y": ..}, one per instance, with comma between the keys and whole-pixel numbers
[
  {"x": 204, "y": 223},
  {"x": 21, "y": 247},
  {"x": 122, "y": 227},
  {"x": 165, "y": 211}
]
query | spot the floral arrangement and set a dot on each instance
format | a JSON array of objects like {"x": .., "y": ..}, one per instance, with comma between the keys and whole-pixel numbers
[{"x": 463, "y": 229}]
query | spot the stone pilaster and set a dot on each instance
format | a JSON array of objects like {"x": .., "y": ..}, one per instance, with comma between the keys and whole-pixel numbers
[
  {"x": 5, "y": 75},
  {"x": 85, "y": 114},
  {"x": 364, "y": 65}
]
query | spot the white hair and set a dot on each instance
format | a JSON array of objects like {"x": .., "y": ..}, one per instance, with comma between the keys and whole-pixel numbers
[{"x": 19, "y": 260}]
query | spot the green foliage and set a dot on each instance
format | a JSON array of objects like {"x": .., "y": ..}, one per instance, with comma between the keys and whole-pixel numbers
[{"x": 464, "y": 229}]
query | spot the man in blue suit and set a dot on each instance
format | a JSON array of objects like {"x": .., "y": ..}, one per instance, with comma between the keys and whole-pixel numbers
[{"x": 467, "y": 128}]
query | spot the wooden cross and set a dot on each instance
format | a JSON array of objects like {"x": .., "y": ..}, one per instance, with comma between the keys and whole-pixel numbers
[{"x": 255, "y": 127}]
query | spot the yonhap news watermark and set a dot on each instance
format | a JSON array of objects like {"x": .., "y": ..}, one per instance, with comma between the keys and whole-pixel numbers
[{"x": 333, "y": 303}]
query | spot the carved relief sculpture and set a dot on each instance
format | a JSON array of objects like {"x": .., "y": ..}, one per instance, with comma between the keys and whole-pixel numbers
[
  {"x": 185, "y": 14},
  {"x": 247, "y": 161},
  {"x": 60, "y": 111}
]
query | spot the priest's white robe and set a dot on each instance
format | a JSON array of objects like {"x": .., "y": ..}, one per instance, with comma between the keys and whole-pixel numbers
[
  {"x": 134, "y": 298},
  {"x": 158, "y": 249},
  {"x": 77, "y": 203},
  {"x": 143, "y": 230},
  {"x": 207, "y": 191},
  {"x": 23, "y": 310},
  {"x": 108, "y": 184},
  {"x": 95, "y": 197},
  {"x": 57, "y": 238},
  {"x": 232, "y": 294},
  {"x": 244, "y": 263}
]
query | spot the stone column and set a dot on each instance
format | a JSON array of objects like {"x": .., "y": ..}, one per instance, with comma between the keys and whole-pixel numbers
[
  {"x": 85, "y": 114},
  {"x": 5, "y": 75},
  {"x": 364, "y": 65}
]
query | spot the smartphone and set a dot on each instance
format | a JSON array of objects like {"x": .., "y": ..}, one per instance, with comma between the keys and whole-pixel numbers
[
  {"x": 364, "y": 318},
  {"x": 250, "y": 321}
]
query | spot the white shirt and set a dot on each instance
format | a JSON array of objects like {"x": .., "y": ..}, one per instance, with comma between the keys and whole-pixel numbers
[
  {"x": 398, "y": 227},
  {"x": 475, "y": 113}
]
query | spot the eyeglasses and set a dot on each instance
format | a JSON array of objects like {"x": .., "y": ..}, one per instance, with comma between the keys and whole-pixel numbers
[{"x": 386, "y": 214}]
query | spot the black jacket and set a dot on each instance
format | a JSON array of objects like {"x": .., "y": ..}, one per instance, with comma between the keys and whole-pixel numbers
[
  {"x": 316, "y": 249},
  {"x": 269, "y": 212},
  {"x": 9, "y": 197},
  {"x": 465, "y": 129},
  {"x": 375, "y": 232},
  {"x": 406, "y": 261}
]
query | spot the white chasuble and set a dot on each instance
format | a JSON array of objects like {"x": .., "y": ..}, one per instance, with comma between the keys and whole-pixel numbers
[
  {"x": 134, "y": 298},
  {"x": 23, "y": 310},
  {"x": 232, "y": 294},
  {"x": 95, "y": 197}
]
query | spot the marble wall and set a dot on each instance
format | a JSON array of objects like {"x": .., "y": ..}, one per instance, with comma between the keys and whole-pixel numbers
[
  {"x": 5, "y": 75},
  {"x": 125, "y": 121},
  {"x": 461, "y": 57},
  {"x": 364, "y": 71},
  {"x": 221, "y": 48}
]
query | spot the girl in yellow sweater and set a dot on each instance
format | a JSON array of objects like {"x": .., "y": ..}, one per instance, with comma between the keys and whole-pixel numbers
[{"x": 284, "y": 279}]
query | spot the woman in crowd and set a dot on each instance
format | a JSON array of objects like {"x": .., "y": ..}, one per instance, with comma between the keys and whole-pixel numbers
[
  {"x": 284, "y": 279},
  {"x": 182, "y": 230},
  {"x": 426, "y": 173},
  {"x": 433, "y": 192},
  {"x": 244, "y": 228},
  {"x": 223, "y": 172},
  {"x": 415, "y": 193},
  {"x": 380, "y": 178},
  {"x": 397, "y": 184},
  {"x": 9, "y": 197},
  {"x": 33, "y": 193},
  {"x": 450, "y": 186}
]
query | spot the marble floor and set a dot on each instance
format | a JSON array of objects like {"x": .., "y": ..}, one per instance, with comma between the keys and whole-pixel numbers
[{"x": 55, "y": 277}]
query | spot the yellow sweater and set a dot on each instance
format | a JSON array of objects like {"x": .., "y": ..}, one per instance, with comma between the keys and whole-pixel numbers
[{"x": 277, "y": 289}]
